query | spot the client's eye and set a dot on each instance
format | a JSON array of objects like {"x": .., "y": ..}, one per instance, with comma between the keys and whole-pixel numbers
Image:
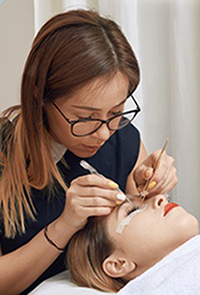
[{"x": 130, "y": 210}]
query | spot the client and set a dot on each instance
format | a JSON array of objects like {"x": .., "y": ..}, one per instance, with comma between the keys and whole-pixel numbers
[{"x": 109, "y": 252}]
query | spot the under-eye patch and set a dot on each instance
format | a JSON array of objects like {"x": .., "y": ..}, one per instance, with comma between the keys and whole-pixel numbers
[{"x": 126, "y": 220}]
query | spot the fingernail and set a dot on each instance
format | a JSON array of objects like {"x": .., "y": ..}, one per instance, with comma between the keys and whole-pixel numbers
[
  {"x": 118, "y": 202},
  {"x": 112, "y": 184},
  {"x": 121, "y": 197},
  {"x": 147, "y": 173},
  {"x": 151, "y": 184},
  {"x": 139, "y": 190}
]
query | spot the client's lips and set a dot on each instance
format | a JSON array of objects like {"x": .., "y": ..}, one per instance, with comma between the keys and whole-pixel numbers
[{"x": 169, "y": 207}]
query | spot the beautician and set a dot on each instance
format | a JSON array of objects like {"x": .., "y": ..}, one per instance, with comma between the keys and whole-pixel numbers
[{"x": 78, "y": 76}]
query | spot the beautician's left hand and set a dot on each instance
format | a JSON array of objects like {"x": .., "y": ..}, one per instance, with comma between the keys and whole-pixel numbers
[{"x": 163, "y": 179}]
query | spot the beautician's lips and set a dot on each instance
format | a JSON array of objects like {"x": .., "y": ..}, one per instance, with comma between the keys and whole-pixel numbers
[{"x": 169, "y": 207}]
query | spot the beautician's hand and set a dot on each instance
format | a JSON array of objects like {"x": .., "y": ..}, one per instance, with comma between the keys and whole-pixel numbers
[
  {"x": 89, "y": 195},
  {"x": 163, "y": 179}
]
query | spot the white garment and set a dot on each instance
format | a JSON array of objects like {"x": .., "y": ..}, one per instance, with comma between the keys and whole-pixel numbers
[
  {"x": 176, "y": 274},
  {"x": 61, "y": 285},
  {"x": 58, "y": 150}
]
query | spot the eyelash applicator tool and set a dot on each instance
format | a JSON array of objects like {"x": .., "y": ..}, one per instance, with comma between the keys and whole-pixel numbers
[
  {"x": 144, "y": 192},
  {"x": 92, "y": 170}
]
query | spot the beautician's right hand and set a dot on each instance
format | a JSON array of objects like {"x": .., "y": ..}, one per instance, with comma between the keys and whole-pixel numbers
[{"x": 89, "y": 195}]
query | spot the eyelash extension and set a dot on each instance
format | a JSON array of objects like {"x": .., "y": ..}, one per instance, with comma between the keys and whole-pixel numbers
[{"x": 132, "y": 210}]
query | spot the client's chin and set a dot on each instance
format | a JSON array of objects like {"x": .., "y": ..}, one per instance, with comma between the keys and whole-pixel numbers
[{"x": 189, "y": 226}]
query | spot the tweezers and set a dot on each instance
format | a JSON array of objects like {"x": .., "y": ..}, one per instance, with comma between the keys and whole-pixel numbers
[
  {"x": 92, "y": 170},
  {"x": 144, "y": 192}
]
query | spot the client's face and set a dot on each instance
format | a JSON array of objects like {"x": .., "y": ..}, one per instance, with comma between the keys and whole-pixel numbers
[{"x": 152, "y": 233}]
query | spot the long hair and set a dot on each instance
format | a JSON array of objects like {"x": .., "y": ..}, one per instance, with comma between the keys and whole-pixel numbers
[
  {"x": 70, "y": 50},
  {"x": 87, "y": 250}
]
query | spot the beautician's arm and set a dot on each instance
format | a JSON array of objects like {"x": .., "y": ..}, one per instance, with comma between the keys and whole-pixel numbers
[{"x": 20, "y": 268}]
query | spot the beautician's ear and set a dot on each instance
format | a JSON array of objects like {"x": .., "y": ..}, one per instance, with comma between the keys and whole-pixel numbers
[{"x": 116, "y": 267}]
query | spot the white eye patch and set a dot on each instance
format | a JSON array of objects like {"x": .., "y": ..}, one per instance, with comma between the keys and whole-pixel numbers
[{"x": 126, "y": 220}]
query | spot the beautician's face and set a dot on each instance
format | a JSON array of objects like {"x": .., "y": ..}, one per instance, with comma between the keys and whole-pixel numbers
[
  {"x": 150, "y": 235},
  {"x": 102, "y": 99}
]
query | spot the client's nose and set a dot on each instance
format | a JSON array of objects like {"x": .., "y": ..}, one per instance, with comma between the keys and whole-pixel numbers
[{"x": 158, "y": 201}]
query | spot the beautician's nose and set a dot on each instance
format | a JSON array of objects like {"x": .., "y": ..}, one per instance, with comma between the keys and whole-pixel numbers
[
  {"x": 158, "y": 201},
  {"x": 103, "y": 133}
]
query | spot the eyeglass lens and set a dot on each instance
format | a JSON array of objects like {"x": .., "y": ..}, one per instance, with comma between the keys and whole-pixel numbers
[{"x": 118, "y": 122}]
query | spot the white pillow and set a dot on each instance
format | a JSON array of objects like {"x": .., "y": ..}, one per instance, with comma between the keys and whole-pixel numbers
[{"x": 61, "y": 285}]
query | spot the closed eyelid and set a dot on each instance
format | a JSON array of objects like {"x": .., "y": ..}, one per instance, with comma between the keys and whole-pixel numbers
[
  {"x": 136, "y": 206},
  {"x": 123, "y": 207},
  {"x": 132, "y": 209}
]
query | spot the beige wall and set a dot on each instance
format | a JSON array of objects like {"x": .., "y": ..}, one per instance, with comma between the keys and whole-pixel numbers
[{"x": 16, "y": 34}]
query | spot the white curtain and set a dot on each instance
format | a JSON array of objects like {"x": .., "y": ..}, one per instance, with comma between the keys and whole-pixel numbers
[{"x": 165, "y": 35}]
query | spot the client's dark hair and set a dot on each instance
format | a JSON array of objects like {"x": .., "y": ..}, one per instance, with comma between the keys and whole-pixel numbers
[{"x": 87, "y": 250}]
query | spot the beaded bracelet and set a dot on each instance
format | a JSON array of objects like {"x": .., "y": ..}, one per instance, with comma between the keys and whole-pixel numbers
[{"x": 51, "y": 242}]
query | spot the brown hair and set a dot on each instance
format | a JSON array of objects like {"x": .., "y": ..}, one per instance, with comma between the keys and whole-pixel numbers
[
  {"x": 87, "y": 250},
  {"x": 70, "y": 50}
]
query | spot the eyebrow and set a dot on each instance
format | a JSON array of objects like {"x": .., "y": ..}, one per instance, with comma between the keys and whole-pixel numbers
[{"x": 96, "y": 109}]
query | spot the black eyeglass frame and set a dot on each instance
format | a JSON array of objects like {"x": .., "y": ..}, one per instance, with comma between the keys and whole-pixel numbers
[{"x": 73, "y": 122}]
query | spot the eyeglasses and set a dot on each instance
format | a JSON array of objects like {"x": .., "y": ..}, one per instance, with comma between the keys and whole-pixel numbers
[{"x": 87, "y": 126}]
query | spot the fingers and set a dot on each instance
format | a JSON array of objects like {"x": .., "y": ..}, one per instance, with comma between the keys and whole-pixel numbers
[
  {"x": 92, "y": 203},
  {"x": 95, "y": 186},
  {"x": 90, "y": 195},
  {"x": 93, "y": 197},
  {"x": 143, "y": 173},
  {"x": 97, "y": 202},
  {"x": 94, "y": 180},
  {"x": 77, "y": 215},
  {"x": 85, "y": 212},
  {"x": 162, "y": 171},
  {"x": 166, "y": 183},
  {"x": 165, "y": 172},
  {"x": 164, "y": 178},
  {"x": 94, "y": 192}
]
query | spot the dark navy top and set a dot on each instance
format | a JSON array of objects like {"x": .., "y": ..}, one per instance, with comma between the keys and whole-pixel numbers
[{"x": 115, "y": 160}]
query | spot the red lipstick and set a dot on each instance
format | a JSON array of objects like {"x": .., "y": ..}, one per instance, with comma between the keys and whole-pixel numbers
[{"x": 169, "y": 207}]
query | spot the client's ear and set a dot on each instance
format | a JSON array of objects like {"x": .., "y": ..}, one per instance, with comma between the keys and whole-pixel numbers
[{"x": 117, "y": 266}]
